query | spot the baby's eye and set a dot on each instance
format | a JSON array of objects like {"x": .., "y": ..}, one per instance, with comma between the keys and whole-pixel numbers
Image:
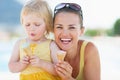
[
  {"x": 59, "y": 27},
  {"x": 37, "y": 24},
  {"x": 27, "y": 25}
]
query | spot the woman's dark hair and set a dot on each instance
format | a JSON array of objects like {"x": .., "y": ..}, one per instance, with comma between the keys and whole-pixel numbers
[{"x": 69, "y": 8}]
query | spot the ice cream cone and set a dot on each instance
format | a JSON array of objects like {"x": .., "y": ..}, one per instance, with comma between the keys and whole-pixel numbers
[
  {"x": 61, "y": 55},
  {"x": 27, "y": 51},
  {"x": 26, "y": 48}
]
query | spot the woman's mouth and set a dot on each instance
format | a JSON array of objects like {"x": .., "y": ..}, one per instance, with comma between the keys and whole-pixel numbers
[{"x": 66, "y": 41}]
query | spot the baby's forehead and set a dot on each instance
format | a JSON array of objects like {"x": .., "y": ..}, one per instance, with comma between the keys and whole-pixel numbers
[{"x": 34, "y": 14}]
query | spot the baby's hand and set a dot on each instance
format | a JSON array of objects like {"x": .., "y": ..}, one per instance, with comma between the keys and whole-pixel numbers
[
  {"x": 35, "y": 60},
  {"x": 25, "y": 60}
]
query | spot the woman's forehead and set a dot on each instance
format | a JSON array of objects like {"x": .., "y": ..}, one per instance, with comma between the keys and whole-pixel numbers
[{"x": 67, "y": 17}]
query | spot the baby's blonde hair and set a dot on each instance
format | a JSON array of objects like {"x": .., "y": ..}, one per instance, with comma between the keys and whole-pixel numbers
[{"x": 41, "y": 9}]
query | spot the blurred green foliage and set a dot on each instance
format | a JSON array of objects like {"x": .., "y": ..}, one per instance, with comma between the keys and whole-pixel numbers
[
  {"x": 114, "y": 31},
  {"x": 91, "y": 32},
  {"x": 109, "y": 32},
  {"x": 116, "y": 28},
  {"x": 95, "y": 32}
]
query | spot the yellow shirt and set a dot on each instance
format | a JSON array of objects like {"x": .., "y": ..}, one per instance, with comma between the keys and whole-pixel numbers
[
  {"x": 80, "y": 75},
  {"x": 42, "y": 50}
]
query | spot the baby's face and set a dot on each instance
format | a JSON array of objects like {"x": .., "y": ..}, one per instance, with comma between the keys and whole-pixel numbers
[{"x": 35, "y": 26}]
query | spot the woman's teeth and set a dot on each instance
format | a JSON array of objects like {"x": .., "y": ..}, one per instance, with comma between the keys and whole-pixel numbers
[{"x": 65, "y": 40}]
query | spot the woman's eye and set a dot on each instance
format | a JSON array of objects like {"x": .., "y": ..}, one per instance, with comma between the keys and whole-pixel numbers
[{"x": 71, "y": 27}]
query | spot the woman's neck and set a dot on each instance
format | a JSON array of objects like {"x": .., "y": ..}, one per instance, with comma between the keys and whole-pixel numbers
[{"x": 72, "y": 54}]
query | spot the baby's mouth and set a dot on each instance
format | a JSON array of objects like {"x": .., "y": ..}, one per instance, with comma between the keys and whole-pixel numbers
[{"x": 32, "y": 34}]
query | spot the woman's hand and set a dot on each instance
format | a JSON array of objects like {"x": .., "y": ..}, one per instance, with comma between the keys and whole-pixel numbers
[{"x": 64, "y": 70}]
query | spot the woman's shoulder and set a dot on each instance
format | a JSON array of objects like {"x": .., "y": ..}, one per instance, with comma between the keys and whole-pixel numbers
[
  {"x": 89, "y": 45},
  {"x": 90, "y": 50}
]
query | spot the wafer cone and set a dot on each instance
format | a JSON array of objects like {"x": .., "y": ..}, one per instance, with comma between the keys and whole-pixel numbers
[
  {"x": 26, "y": 48},
  {"x": 27, "y": 51},
  {"x": 61, "y": 55}
]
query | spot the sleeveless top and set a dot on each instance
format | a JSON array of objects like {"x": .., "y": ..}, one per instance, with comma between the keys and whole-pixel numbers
[
  {"x": 80, "y": 75},
  {"x": 42, "y": 50}
]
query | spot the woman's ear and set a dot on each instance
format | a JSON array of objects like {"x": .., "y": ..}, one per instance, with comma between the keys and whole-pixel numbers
[{"x": 82, "y": 29}]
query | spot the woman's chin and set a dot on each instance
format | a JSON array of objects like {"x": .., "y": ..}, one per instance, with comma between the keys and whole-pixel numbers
[{"x": 64, "y": 45}]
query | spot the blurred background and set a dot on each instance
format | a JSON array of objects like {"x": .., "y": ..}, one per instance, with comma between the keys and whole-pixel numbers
[{"x": 101, "y": 20}]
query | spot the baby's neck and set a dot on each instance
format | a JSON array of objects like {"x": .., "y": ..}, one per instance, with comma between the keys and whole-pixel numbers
[{"x": 38, "y": 41}]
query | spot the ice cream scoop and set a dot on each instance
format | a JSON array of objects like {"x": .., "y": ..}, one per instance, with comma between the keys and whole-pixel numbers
[{"x": 32, "y": 47}]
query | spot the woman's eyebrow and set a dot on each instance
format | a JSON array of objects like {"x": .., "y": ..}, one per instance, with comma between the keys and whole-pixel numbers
[
  {"x": 58, "y": 24},
  {"x": 72, "y": 25}
]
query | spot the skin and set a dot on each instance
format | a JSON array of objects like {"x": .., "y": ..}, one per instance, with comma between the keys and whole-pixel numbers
[
  {"x": 67, "y": 32},
  {"x": 35, "y": 28}
]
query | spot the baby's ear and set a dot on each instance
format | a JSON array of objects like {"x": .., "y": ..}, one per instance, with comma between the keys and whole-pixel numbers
[{"x": 82, "y": 29}]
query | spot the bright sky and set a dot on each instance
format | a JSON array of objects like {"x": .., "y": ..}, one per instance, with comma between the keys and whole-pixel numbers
[{"x": 97, "y": 13}]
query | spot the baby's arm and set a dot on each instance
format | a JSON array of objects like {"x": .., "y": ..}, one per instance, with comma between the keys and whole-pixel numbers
[
  {"x": 57, "y": 55},
  {"x": 54, "y": 48},
  {"x": 15, "y": 65},
  {"x": 46, "y": 65}
]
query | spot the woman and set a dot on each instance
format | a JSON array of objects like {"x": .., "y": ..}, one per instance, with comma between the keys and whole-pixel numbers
[{"x": 82, "y": 58}]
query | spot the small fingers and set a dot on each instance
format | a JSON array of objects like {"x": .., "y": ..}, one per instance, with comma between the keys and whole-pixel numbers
[
  {"x": 25, "y": 60},
  {"x": 34, "y": 60}
]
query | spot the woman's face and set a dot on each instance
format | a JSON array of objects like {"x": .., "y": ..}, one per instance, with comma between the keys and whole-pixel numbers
[{"x": 67, "y": 30}]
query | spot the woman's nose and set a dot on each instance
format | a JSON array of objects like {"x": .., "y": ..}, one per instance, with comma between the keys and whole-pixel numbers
[{"x": 65, "y": 32}]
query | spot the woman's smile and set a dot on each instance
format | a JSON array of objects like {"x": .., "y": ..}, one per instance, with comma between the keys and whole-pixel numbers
[{"x": 65, "y": 40}]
